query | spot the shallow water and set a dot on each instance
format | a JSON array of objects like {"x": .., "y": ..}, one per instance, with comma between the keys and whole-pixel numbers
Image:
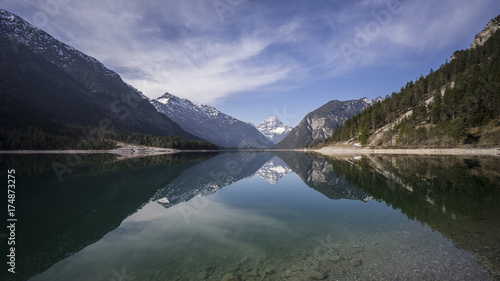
[{"x": 254, "y": 216}]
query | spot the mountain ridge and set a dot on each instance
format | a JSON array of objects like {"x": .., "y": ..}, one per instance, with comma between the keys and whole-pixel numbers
[
  {"x": 490, "y": 29},
  {"x": 209, "y": 123},
  {"x": 319, "y": 124}
]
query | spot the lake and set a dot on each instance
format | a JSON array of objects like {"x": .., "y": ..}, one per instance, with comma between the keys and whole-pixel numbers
[{"x": 254, "y": 216}]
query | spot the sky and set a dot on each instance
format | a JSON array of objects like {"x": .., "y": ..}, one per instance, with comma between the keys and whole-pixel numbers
[{"x": 253, "y": 59}]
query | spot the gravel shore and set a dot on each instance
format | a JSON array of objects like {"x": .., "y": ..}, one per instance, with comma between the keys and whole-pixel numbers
[
  {"x": 124, "y": 150},
  {"x": 418, "y": 151}
]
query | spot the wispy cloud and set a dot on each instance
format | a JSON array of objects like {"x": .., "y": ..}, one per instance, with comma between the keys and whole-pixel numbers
[
  {"x": 388, "y": 31},
  {"x": 205, "y": 52}
]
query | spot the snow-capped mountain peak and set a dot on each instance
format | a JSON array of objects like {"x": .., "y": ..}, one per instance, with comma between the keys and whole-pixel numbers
[{"x": 273, "y": 129}]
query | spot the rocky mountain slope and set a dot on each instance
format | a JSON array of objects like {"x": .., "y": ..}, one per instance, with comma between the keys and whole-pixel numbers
[
  {"x": 210, "y": 124},
  {"x": 319, "y": 124},
  {"x": 273, "y": 129},
  {"x": 57, "y": 89},
  {"x": 486, "y": 34}
]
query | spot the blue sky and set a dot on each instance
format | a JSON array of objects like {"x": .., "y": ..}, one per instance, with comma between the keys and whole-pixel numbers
[{"x": 253, "y": 59}]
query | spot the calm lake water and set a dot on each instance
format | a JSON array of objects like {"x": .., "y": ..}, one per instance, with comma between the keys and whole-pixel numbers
[{"x": 254, "y": 216}]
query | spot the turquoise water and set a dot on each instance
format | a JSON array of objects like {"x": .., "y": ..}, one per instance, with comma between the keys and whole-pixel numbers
[{"x": 259, "y": 217}]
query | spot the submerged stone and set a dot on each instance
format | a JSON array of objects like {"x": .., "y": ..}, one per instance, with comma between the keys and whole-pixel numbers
[
  {"x": 230, "y": 277},
  {"x": 316, "y": 275},
  {"x": 355, "y": 262},
  {"x": 335, "y": 258},
  {"x": 202, "y": 275}
]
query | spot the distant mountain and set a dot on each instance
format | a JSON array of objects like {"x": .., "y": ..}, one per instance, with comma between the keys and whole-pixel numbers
[
  {"x": 55, "y": 88},
  {"x": 273, "y": 129},
  {"x": 274, "y": 170},
  {"x": 319, "y": 124},
  {"x": 210, "y": 124}
]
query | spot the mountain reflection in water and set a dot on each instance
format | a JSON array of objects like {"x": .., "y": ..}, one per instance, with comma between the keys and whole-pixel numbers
[{"x": 266, "y": 224}]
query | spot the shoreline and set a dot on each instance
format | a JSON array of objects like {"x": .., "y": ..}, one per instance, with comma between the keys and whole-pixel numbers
[
  {"x": 136, "y": 151},
  {"x": 409, "y": 151},
  {"x": 124, "y": 150}
]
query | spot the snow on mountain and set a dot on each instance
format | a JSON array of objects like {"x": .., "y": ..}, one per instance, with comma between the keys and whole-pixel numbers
[
  {"x": 210, "y": 124},
  {"x": 273, "y": 129},
  {"x": 40, "y": 42},
  {"x": 274, "y": 170}
]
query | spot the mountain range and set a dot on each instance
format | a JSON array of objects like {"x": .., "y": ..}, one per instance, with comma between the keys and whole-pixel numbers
[
  {"x": 68, "y": 90},
  {"x": 61, "y": 91},
  {"x": 53, "y": 89},
  {"x": 54, "y": 96},
  {"x": 210, "y": 124}
]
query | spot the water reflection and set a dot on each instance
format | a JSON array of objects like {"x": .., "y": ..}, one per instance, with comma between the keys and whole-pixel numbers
[
  {"x": 318, "y": 174},
  {"x": 248, "y": 216},
  {"x": 57, "y": 219},
  {"x": 274, "y": 170},
  {"x": 210, "y": 176},
  {"x": 457, "y": 196}
]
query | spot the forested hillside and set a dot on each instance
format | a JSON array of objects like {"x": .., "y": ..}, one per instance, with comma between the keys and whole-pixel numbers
[{"x": 458, "y": 104}]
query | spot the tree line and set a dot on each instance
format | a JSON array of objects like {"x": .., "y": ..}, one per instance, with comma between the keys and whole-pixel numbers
[{"x": 38, "y": 138}]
